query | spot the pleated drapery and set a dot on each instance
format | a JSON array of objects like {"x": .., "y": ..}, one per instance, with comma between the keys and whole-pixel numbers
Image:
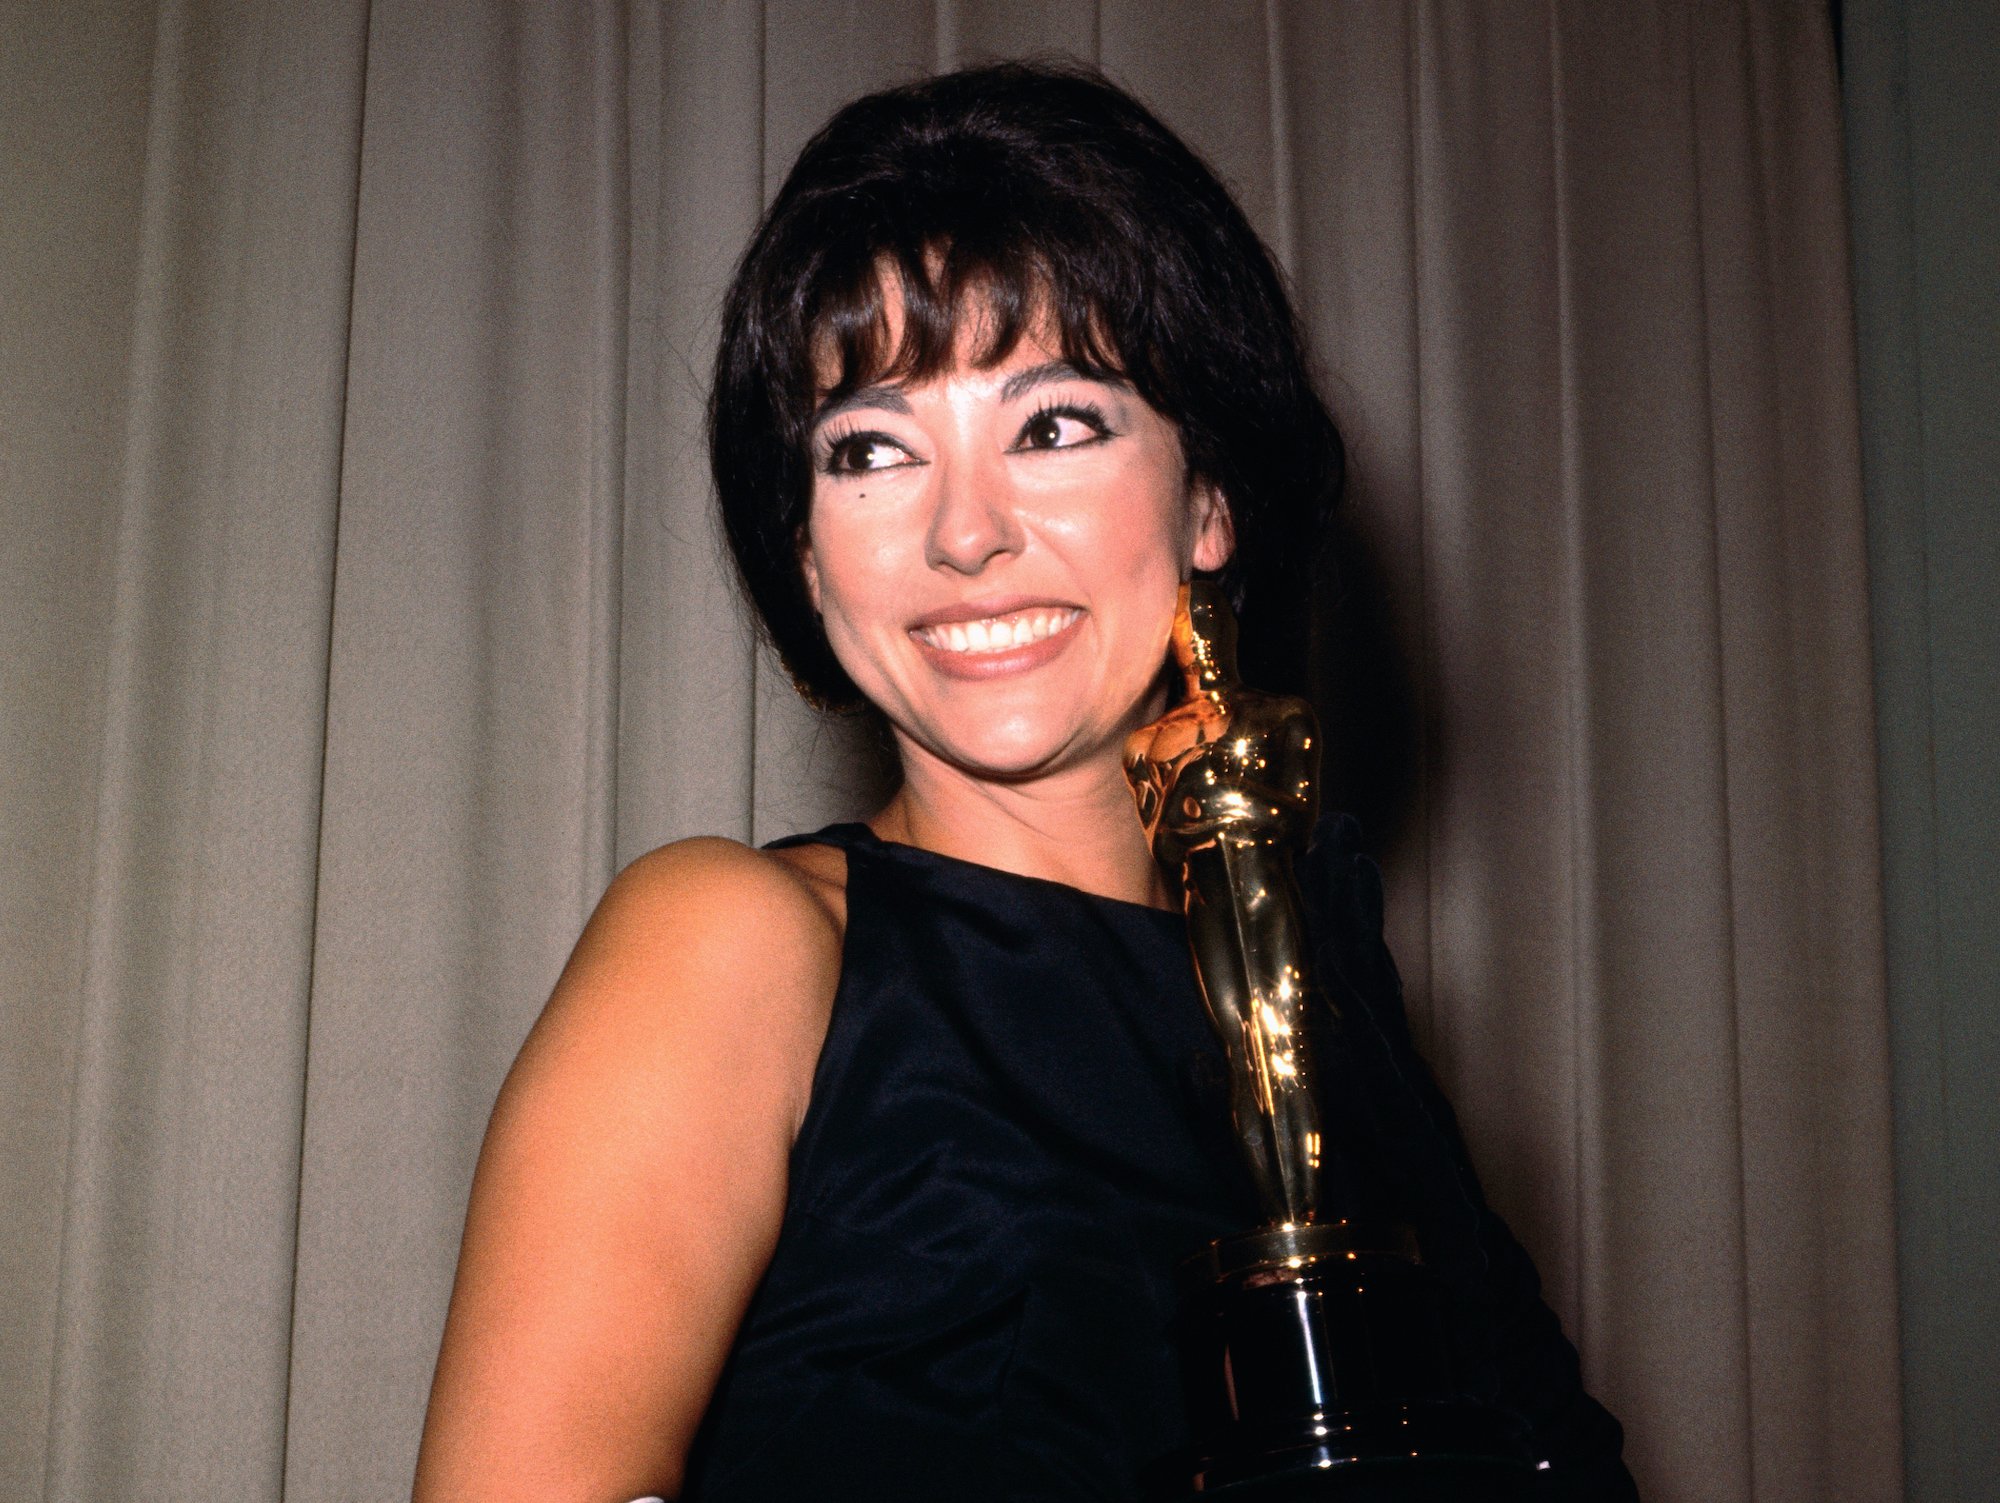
[{"x": 416, "y": 627}]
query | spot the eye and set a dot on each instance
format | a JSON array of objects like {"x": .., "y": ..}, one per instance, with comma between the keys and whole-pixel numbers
[
  {"x": 1063, "y": 427},
  {"x": 860, "y": 453}
]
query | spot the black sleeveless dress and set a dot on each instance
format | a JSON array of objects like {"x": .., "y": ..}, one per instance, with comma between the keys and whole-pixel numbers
[{"x": 1018, "y": 1128}]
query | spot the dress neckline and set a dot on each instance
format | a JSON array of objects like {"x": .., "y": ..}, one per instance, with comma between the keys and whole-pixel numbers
[{"x": 856, "y": 833}]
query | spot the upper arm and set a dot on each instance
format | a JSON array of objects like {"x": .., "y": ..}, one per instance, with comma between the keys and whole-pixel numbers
[{"x": 632, "y": 1183}]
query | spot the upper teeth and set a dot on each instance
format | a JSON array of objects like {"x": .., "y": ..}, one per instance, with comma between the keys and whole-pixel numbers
[{"x": 997, "y": 633}]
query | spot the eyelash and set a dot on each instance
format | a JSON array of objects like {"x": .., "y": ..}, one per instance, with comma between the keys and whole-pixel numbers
[
  {"x": 832, "y": 442},
  {"x": 1084, "y": 412},
  {"x": 1087, "y": 413}
]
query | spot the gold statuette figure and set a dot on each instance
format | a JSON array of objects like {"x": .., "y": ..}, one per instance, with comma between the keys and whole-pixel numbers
[
  {"x": 1227, "y": 789},
  {"x": 1314, "y": 1347}
]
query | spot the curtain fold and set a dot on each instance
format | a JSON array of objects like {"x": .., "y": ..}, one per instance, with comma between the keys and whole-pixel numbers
[
  {"x": 183, "y": 1182},
  {"x": 423, "y": 627},
  {"x": 469, "y": 803}
]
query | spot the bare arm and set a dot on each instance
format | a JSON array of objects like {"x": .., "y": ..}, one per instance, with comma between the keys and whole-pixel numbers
[{"x": 632, "y": 1182}]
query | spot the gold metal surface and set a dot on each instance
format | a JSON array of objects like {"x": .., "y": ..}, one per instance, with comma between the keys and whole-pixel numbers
[{"x": 1227, "y": 786}]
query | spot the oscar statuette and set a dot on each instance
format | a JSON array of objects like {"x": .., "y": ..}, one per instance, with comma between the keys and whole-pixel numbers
[{"x": 1315, "y": 1350}]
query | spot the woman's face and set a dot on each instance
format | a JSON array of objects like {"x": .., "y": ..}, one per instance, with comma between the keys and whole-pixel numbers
[{"x": 996, "y": 555}]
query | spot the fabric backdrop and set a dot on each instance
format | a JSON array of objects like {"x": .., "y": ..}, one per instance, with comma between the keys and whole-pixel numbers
[{"x": 367, "y": 614}]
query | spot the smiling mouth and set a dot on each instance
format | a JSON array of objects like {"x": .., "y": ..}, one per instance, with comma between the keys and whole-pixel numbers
[{"x": 997, "y": 634}]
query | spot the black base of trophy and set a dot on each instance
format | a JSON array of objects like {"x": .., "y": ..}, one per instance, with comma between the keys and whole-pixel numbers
[{"x": 1319, "y": 1365}]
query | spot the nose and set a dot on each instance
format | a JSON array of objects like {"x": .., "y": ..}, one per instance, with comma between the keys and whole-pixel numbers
[{"x": 972, "y": 518}]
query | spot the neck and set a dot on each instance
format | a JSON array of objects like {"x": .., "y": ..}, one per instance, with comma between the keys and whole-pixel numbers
[{"x": 1077, "y": 826}]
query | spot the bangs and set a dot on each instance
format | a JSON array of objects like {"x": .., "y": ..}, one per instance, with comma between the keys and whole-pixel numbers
[
  {"x": 958, "y": 299},
  {"x": 947, "y": 220}
]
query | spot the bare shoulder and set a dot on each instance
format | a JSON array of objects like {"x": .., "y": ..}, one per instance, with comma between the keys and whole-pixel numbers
[
  {"x": 702, "y": 986},
  {"x": 728, "y": 897},
  {"x": 634, "y": 1178},
  {"x": 702, "y": 943}
]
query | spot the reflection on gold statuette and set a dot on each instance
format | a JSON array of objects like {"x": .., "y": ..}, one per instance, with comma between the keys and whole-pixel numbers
[
  {"x": 1227, "y": 789},
  {"x": 1315, "y": 1347}
]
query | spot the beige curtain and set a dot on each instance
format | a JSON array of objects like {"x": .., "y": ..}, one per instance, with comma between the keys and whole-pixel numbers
[{"x": 366, "y": 615}]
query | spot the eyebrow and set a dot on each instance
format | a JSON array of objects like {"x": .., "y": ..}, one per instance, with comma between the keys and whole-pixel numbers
[
  {"x": 1050, "y": 371},
  {"x": 884, "y": 398},
  {"x": 891, "y": 399}
]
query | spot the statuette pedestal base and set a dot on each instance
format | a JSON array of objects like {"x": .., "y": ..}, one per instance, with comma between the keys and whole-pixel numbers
[{"x": 1318, "y": 1364}]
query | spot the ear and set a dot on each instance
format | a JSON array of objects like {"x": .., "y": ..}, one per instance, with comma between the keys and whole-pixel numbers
[
  {"x": 809, "y": 569},
  {"x": 1214, "y": 529}
]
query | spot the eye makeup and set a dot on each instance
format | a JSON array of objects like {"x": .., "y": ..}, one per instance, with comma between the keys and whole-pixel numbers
[
  {"x": 1045, "y": 418},
  {"x": 841, "y": 451}
]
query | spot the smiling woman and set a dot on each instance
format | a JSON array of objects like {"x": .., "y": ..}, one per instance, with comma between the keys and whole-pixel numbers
[
  {"x": 939, "y": 226},
  {"x": 859, "y": 1166},
  {"x": 995, "y": 553}
]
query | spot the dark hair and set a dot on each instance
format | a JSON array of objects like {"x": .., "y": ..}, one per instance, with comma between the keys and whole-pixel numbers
[{"x": 1024, "y": 190}]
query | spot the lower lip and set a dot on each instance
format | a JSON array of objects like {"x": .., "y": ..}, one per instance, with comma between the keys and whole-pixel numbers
[{"x": 984, "y": 665}]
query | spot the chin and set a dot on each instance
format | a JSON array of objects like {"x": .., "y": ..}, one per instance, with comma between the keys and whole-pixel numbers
[
  {"x": 1006, "y": 757},
  {"x": 1016, "y": 746},
  {"x": 1016, "y": 730}
]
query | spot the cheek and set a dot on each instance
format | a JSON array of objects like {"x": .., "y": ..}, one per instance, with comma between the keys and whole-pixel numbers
[
  {"x": 852, "y": 569},
  {"x": 1144, "y": 538},
  {"x": 1136, "y": 550}
]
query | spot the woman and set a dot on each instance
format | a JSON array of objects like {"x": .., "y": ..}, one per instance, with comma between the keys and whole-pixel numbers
[{"x": 858, "y": 1166}]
